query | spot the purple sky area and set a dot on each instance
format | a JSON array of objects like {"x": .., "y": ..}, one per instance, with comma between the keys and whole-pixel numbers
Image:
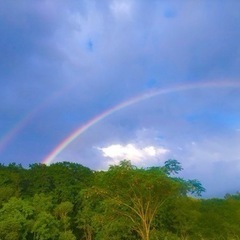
[{"x": 64, "y": 63}]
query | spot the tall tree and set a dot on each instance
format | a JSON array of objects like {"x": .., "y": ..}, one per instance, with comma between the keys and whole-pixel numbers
[{"x": 135, "y": 193}]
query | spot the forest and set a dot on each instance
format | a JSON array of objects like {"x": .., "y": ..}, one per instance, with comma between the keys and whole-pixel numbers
[{"x": 68, "y": 201}]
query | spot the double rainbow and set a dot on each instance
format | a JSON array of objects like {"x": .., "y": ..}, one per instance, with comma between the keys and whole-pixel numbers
[{"x": 81, "y": 129}]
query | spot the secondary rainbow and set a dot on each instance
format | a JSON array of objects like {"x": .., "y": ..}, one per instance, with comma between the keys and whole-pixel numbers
[
  {"x": 213, "y": 84},
  {"x": 11, "y": 134}
]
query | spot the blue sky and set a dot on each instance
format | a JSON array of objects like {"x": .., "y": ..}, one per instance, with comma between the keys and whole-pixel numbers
[{"x": 63, "y": 63}]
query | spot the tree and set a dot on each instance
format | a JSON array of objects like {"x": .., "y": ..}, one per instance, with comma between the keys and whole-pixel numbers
[
  {"x": 219, "y": 218},
  {"x": 15, "y": 219},
  {"x": 68, "y": 180},
  {"x": 42, "y": 203},
  {"x": 45, "y": 227},
  {"x": 39, "y": 180},
  {"x": 62, "y": 211},
  {"x": 172, "y": 166},
  {"x": 135, "y": 194},
  {"x": 180, "y": 216},
  {"x": 11, "y": 179}
]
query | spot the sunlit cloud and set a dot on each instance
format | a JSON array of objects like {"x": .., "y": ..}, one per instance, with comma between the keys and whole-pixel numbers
[{"x": 138, "y": 156}]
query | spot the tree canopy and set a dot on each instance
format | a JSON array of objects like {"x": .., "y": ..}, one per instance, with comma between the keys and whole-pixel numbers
[{"x": 69, "y": 201}]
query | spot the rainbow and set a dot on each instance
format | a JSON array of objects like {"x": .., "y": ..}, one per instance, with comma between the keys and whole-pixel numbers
[
  {"x": 10, "y": 135},
  {"x": 213, "y": 84}
]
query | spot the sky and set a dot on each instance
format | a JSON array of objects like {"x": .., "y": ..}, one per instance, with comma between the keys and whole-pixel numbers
[{"x": 95, "y": 82}]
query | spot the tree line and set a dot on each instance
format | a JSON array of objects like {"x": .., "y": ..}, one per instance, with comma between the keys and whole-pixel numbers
[{"x": 68, "y": 201}]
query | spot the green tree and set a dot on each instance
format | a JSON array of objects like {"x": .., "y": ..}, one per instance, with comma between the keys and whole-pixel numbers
[
  {"x": 62, "y": 211},
  {"x": 42, "y": 203},
  {"x": 68, "y": 180},
  {"x": 172, "y": 166},
  {"x": 15, "y": 219},
  {"x": 45, "y": 227},
  {"x": 211, "y": 221},
  {"x": 38, "y": 180},
  {"x": 67, "y": 235},
  {"x": 11, "y": 181},
  {"x": 135, "y": 194},
  {"x": 219, "y": 218},
  {"x": 180, "y": 216}
]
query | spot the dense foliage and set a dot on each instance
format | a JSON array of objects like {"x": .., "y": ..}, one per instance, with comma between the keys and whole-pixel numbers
[{"x": 68, "y": 201}]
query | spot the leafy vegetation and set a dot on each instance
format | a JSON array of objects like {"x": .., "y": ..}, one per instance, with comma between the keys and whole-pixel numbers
[{"x": 68, "y": 201}]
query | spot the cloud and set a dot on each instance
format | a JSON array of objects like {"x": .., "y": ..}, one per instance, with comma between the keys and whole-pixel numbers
[
  {"x": 214, "y": 160},
  {"x": 110, "y": 51},
  {"x": 137, "y": 155}
]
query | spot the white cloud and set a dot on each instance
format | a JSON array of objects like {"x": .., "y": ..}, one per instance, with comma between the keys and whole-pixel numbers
[
  {"x": 151, "y": 151},
  {"x": 137, "y": 155}
]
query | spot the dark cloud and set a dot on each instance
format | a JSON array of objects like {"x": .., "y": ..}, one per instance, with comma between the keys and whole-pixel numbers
[{"x": 63, "y": 63}]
